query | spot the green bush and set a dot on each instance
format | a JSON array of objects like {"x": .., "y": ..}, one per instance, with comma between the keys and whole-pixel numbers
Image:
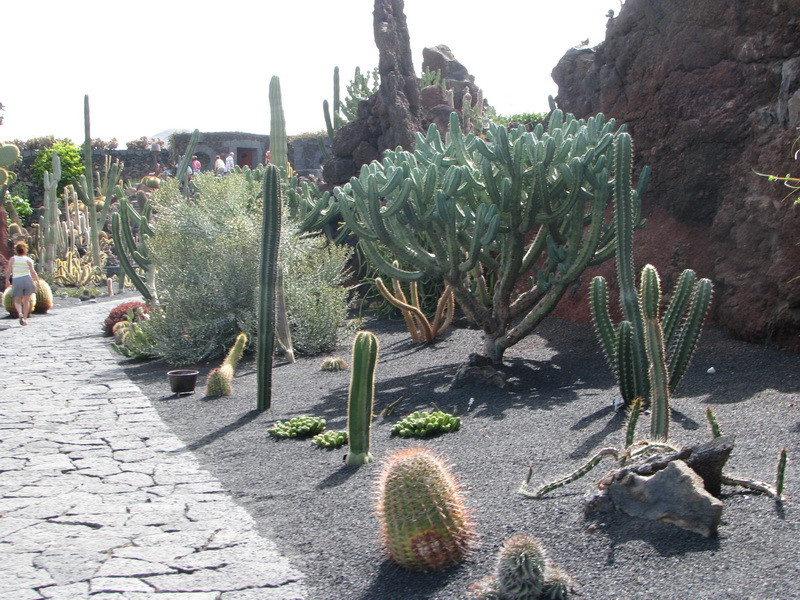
[
  {"x": 71, "y": 163},
  {"x": 207, "y": 258}
]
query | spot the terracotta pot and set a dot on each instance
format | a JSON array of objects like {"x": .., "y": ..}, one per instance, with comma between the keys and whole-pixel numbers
[{"x": 182, "y": 381}]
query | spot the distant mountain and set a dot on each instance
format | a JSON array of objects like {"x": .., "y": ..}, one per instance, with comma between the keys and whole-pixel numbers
[{"x": 164, "y": 135}]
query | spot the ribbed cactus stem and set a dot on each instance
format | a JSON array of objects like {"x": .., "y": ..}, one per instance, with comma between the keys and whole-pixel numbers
[
  {"x": 218, "y": 384},
  {"x": 270, "y": 237},
  {"x": 781, "y": 472},
  {"x": 361, "y": 397},
  {"x": 650, "y": 297},
  {"x": 711, "y": 417},
  {"x": 278, "y": 145}
]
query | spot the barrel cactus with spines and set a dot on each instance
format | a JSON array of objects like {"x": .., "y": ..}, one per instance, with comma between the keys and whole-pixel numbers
[
  {"x": 424, "y": 521},
  {"x": 44, "y": 297},
  {"x": 8, "y": 302},
  {"x": 218, "y": 384},
  {"x": 361, "y": 397},
  {"x": 520, "y": 568}
]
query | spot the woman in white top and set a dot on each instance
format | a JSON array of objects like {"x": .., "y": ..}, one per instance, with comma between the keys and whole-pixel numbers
[{"x": 25, "y": 280}]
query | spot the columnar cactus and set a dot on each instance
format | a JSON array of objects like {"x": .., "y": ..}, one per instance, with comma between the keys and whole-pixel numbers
[
  {"x": 624, "y": 345},
  {"x": 424, "y": 522},
  {"x": 278, "y": 145},
  {"x": 270, "y": 237},
  {"x": 361, "y": 397},
  {"x": 234, "y": 355},
  {"x": 524, "y": 206},
  {"x": 131, "y": 250},
  {"x": 49, "y": 217}
]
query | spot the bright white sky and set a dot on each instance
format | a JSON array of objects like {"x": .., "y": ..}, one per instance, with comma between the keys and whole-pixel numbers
[{"x": 149, "y": 66}]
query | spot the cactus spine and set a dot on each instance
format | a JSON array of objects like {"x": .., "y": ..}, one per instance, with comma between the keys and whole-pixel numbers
[
  {"x": 424, "y": 523},
  {"x": 361, "y": 397},
  {"x": 270, "y": 236}
]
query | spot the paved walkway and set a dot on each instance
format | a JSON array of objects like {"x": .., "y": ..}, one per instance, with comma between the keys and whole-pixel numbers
[{"x": 96, "y": 500}]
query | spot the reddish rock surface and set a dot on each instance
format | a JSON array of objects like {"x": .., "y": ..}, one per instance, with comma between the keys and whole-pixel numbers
[{"x": 710, "y": 92}]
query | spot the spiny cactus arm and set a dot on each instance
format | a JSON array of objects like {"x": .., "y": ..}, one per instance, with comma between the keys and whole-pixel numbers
[
  {"x": 681, "y": 296},
  {"x": 270, "y": 238},
  {"x": 603, "y": 326},
  {"x": 634, "y": 410},
  {"x": 326, "y": 110},
  {"x": 126, "y": 265},
  {"x": 690, "y": 332},
  {"x": 654, "y": 345},
  {"x": 112, "y": 190},
  {"x": 625, "y": 369},
  {"x": 235, "y": 353},
  {"x": 574, "y": 476},
  {"x": 415, "y": 314},
  {"x": 361, "y": 397},
  {"x": 384, "y": 266}
]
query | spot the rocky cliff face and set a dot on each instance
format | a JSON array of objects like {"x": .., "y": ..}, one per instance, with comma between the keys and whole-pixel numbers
[{"x": 711, "y": 92}]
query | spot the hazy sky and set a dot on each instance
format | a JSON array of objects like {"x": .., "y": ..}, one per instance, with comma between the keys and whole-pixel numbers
[{"x": 149, "y": 66}]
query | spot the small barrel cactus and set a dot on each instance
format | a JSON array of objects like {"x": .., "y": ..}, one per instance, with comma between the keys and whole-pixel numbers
[
  {"x": 333, "y": 363},
  {"x": 298, "y": 427},
  {"x": 523, "y": 573},
  {"x": 423, "y": 519},
  {"x": 330, "y": 439},
  {"x": 520, "y": 568},
  {"x": 218, "y": 384}
]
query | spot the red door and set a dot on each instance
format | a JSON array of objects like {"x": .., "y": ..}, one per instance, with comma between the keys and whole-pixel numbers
[{"x": 244, "y": 157}]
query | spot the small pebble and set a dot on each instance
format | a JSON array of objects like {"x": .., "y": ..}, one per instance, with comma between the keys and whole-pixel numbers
[{"x": 711, "y": 370}]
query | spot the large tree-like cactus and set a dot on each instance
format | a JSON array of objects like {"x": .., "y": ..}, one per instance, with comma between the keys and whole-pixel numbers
[
  {"x": 625, "y": 345},
  {"x": 520, "y": 205}
]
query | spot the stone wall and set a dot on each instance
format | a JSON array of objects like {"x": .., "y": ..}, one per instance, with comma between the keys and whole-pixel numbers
[{"x": 710, "y": 92}]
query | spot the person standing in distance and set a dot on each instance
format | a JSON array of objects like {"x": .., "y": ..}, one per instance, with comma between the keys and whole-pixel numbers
[
  {"x": 229, "y": 163},
  {"x": 25, "y": 280}
]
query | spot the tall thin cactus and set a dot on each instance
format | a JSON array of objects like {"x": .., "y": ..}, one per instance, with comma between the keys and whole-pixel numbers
[
  {"x": 270, "y": 237},
  {"x": 625, "y": 345},
  {"x": 278, "y": 145}
]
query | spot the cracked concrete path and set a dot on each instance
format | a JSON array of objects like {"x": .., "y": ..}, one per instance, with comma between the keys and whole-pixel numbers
[{"x": 98, "y": 499}]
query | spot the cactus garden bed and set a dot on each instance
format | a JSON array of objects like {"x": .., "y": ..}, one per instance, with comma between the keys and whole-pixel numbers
[{"x": 556, "y": 412}]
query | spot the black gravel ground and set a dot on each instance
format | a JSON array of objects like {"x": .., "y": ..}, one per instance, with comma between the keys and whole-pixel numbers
[{"x": 556, "y": 412}]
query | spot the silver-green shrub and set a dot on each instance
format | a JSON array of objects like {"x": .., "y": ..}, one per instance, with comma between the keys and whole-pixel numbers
[{"x": 207, "y": 261}]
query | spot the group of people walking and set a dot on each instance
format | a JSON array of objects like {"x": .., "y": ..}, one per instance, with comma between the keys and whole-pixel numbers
[{"x": 221, "y": 167}]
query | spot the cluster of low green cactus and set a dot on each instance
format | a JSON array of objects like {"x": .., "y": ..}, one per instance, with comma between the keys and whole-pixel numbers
[
  {"x": 424, "y": 521},
  {"x": 523, "y": 573},
  {"x": 330, "y": 439},
  {"x": 130, "y": 339},
  {"x": 425, "y": 424},
  {"x": 298, "y": 427}
]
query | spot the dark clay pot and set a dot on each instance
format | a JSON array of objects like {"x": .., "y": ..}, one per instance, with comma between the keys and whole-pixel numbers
[{"x": 182, "y": 381}]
